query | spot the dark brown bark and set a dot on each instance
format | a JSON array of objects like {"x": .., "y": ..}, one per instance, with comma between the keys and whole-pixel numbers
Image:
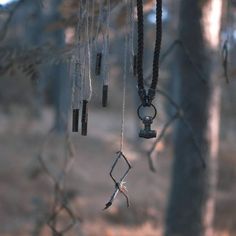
[{"x": 190, "y": 182}]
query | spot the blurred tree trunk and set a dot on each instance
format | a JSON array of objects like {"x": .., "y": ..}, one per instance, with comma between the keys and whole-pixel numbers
[
  {"x": 191, "y": 204},
  {"x": 34, "y": 27},
  {"x": 173, "y": 82},
  {"x": 58, "y": 73}
]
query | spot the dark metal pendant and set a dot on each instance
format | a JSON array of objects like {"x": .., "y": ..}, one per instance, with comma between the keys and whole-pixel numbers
[
  {"x": 147, "y": 131},
  {"x": 98, "y": 64},
  {"x": 84, "y": 119},
  {"x": 104, "y": 95},
  {"x": 75, "y": 120}
]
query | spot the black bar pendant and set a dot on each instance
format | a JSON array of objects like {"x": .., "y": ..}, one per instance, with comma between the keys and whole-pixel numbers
[
  {"x": 75, "y": 120},
  {"x": 84, "y": 119},
  {"x": 135, "y": 65},
  {"x": 98, "y": 64},
  {"x": 105, "y": 95}
]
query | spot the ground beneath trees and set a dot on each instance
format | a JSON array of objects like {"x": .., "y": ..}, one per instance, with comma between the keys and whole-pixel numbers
[{"x": 26, "y": 192}]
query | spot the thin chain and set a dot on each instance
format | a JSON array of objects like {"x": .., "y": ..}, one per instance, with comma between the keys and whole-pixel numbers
[
  {"x": 92, "y": 22},
  {"x": 79, "y": 63},
  {"x": 82, "y": 82},
  {"x": 75, "y": 73},
  {"x": 81, "y": 50},
  {"x": 124, "y": 87},
  {"x": 89, "y": 91},
  {"x": 106, "y": 44},
  {"x": 120, "y": 184},
  {"x": 92, "y": 33},
  {"x": 131, "y": 31},
  {"x": 98, "y": 25},
  {"x": 74, "y": 77}
]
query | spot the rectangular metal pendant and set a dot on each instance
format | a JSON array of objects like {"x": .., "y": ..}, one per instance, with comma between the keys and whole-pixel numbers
[
  {"x": 84, "y": 119},
  {"x": 98, "y": 64},
  {"x": 105, "y": 95},
  {"x": 75, "y": 120}
]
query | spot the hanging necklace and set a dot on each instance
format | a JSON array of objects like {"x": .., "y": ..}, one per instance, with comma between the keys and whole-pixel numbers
[
  {"x": 99, "y": 56},
  {"x": 86, "y": 80},
  {"x": 102, "y": 56},
  {"x": 106, "y": 40},
  {"x": 76, "y": 75},
  {"x": 120, "y": 156},
  {"x": 147, "y": 96},
  {"x": 75, "y": 101}
]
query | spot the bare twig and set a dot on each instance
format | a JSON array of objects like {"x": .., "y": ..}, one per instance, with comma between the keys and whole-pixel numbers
[
  {"x": 9, "y": 18},
  {"x": 158, "y": 139},
  {"x": 186, "y": 52},
  {"x": 179, "y": 114}
]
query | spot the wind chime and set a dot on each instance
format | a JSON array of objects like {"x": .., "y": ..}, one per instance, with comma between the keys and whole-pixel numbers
[{"x": 89, "y": 49}]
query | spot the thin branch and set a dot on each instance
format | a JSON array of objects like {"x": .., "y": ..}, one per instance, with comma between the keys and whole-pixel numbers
[
  {"x": 9, "y": 19},
  {"x": 187, "y": 124},
  {"x": 187, "y": 54},
  {"x": 158, "y": 139},
  {"x": 179, "y": 114}
]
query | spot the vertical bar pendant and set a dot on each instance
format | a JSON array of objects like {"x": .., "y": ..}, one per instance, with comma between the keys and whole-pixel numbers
[
  {"x": 84, "y": 119},
  {"x": 75, "y": 120},
  {"x": 98, "y": 64},
  {"x": 135, "y": 65},
  {"x": 105, "y": 95}
]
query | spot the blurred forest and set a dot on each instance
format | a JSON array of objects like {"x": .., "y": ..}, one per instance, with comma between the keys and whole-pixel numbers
[{"x": 56, "y": 182}]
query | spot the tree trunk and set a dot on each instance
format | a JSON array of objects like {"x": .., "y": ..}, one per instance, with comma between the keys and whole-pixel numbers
[
  {"x": 60, "y": 85},
  {"x": 191, "y": 204}
]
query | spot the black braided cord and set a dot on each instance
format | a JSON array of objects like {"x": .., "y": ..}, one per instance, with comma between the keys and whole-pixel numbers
[
  {"x": 148, "y": 98},
  {"x": 157, "y": 44},
  {"x": 140, "y": 44}
]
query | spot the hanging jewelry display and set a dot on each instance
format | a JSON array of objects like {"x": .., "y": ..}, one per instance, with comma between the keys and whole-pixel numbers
[
  {"x": 102, "y": 54},
  {"x": 147, "y": 96},
  {"x": 106, "y": 40},
  {"x": 98, "y": 62},
  {"x": 86, "y": 81},
  {"x": 75, "y": 74},
  {"x": 119, "y": 184},
  {"x": 75, "y": 101}
]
